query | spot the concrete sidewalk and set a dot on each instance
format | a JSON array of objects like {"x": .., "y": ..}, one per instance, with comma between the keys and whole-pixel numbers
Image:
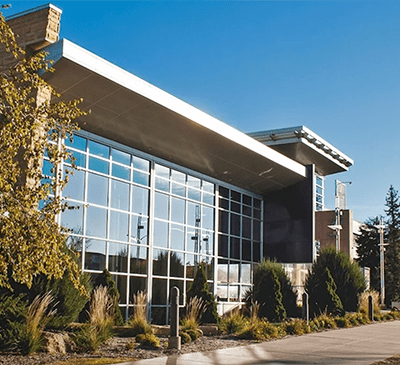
[{"x": 359, "y": 346}]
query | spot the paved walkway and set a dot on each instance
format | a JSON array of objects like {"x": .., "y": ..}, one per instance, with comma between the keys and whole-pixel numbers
[{"x": 356, "y": 346}]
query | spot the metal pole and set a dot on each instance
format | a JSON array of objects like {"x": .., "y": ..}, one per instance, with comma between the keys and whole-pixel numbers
[
  {"x": 382, "y": 245},
  {"x": 382, "y": 262}
]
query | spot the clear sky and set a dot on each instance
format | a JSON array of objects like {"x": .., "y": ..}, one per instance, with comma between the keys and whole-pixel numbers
[{"x": 331, "y": 66}]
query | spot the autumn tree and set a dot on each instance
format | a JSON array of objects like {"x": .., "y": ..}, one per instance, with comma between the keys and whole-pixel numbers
[{"x": 31, "y": 241}]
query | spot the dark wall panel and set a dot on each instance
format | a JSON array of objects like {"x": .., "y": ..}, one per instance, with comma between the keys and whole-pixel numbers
[{"x": 288, "y": 222}]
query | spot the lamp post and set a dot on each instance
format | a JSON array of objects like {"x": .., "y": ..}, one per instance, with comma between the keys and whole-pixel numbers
[{"x": 381, "y": 228}]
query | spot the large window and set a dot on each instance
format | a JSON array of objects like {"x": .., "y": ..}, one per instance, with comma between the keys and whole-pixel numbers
[
  {"x": 239, "y": 243},
  {"x": 151, "y": 224}
]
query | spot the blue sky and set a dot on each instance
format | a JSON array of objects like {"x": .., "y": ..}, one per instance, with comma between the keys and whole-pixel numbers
[{"x": 331, "y": 66}]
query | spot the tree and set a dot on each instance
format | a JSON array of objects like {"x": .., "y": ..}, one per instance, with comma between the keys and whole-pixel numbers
[
  {"x": 31, "y": 241},
  {"x": 392, "y": 254},
  {"x": 200, "y": 289},
  {"x": 368, "y": 250},
  {"x": 265, "y": 291},
  {"x": 347, "y": 276}
]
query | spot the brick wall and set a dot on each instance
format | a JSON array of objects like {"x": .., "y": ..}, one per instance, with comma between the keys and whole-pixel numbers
[{"x": 35, "y": 28}]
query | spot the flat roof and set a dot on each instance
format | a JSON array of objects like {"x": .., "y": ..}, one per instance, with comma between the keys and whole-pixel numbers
[
  {"x": 33, "y": 10},
  {"x": 306, "y": 147},
  {"x": 135, "y": 113}
]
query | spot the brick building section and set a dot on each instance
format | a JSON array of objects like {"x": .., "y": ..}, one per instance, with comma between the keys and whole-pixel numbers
[
  {"x": 327, "y": 237},
  {"x": 35, "y": 29}
]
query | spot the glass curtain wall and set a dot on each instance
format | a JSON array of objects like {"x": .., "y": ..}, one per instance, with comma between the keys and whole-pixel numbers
[{"x": 151, "y": 225}]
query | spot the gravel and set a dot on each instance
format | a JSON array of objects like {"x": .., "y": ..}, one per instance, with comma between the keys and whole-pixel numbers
[{"x": 126, "y": 349}]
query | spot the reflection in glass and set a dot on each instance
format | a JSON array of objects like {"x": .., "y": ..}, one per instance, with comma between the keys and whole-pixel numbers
[
  {"x": 160, "y": 262},
  {"x": 138, "y": 259},
  {"x": 141, "y": 178},
  {"x": 119, "y": 195},
  {"x": 96, "y": 222},
  {"x": 222, "y": 271},
  {"x": 246, "y": 227},
  {"x": 178, "y": 189},
  {"x": 162, "y": 184},
  {"x": 121, "y": 281},
  {"x": 193, "y": 213},
  {"x": 256, "y": 230},
  {"x": 194, "y": 194},
  {"x": 160, "y": 237},
  {"x": 208, "y": 218},
  {"x": 233, "y": 272},
  {"x": 208, "y": 198},
  {"x": 139, "y": 230},
  {"x": 233, "y": 293},
  {"x": 246, "y": 250},
  {"x": 222, "y": 293},
  {"x": 193, "y": 182},
  {"x": 177, "y": 176},
  {"x": 235, "y": 248},
  {"x": 98, "y": 165},
  {"x": 95, "y": 255},
  {"x": 140, "y": 200},
  {"x": 119, "y": 226},
  {"x": 97, "y": 190},
  {"x": 161, "y": 205},
  {"x": 117, "y": 257},
  {"x": 75, "y": 186},
  {"x": 77, "y": 142},
  {"x": 121, "y": 157},
  {"x": 176, "y": 264},
  {"x": 223, "y": 246},
  {"x": 72, "y": 219},
  {"x": 208, "y": 187},
  {"x": 140, "y": 164},
  {"x": 190, "y": 268},
  {"x": 223, "y": 221},
  {"x": 136, "y": 284},
  {"x": 235, "y": 224},
  {"x": 177, "y": 237},
  {"x": 177, "y": 210},
  {"x": 256, "y": 252},
  {"x": 121, "y": 172},
  {"x": 159, "y": 291},
  {"x": 246, "y": 274},
  {"x": 79, "y": 159},
  {"x": 99, "y": 149}
]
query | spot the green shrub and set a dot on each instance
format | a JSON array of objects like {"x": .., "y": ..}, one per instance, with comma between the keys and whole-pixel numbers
[
  {"x": 342, "y": 322},
  {"x": 276, "y": 300},
  {"x": 68, "y": 300},
  {"x": 259, "y": 329},
  {"x": 233, "y": 323},
  {"x": 322, "y": 322},
  {"x": 346, "y": 275},
  {"x": 101, "y": 320},
  {"x": 139, "y": 325},
  {"x": 12, "y": 324},
  {"x": 148, "y": 340},
  {"x": 296, "y": 327},
  {"x": 105, "y": 280},
  {"x": 200, "y": 289}
]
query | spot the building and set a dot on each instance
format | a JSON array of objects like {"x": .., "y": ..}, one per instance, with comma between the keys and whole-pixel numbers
[{"x": 162, "y": 187}]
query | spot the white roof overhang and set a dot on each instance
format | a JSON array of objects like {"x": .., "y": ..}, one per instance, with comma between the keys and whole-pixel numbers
[
  {"x": 306, "y": 147},
  {"x": 135, "y": 113}
]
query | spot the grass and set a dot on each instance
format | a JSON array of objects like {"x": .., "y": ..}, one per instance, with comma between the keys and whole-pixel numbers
[
  {"x": 36, "y": 319},
  {"x": 101, "y": 319}
]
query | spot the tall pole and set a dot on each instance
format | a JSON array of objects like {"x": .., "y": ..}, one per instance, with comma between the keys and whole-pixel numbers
[{"x": 382, "y": 245}]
